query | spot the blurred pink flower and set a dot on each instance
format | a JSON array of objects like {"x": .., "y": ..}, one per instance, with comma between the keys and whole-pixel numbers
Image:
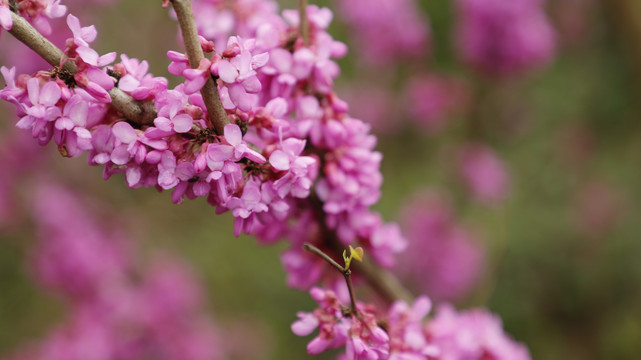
[
  {"x": 484, "y": 173},
  {"x": 386, "y": 30},
  {"x": 472, "y": 334},
  {"x": 504, "y": 37},
  {"x": 117, "y": 311},
  {"x": 432, "y": 99},
  {"x": 374, "y": 104},
  {"x": 443, "y": 259}
]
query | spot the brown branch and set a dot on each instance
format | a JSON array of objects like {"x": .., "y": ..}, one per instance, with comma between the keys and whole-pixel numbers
[
  {"x": 140, "y": 113},
  {"x": 217, "y": 114},
  {"x": 384, "y": 282},
  {"x": 303, "y": 26}
]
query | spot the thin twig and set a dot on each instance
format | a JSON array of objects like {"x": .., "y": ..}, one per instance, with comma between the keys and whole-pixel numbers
[
  {"x": 217, "y": 114},
  {"x": 319, "y": 252},
  {"x": 350, "y": 288},
  {"x": 303, "y": 25},
  {"x": 347, "y": 273},
  {"x": 141, "y": 113},
  {"x": 382, "y": 281}
]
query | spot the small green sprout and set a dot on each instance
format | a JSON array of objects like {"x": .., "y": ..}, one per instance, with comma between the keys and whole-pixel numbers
[{"x": 353, "y": 254}]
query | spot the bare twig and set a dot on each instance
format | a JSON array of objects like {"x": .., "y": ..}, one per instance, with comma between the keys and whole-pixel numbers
[
  {"x": 382, "y": 281},
  {"x": 347, "y": 273},
  {"x": 352, "y": 298},
  {"x": 141, "y": 113},
  {"x": 303, "y": 25},
  {"x": 217, "y": 114},
  {"x": 319, "y": 252}
]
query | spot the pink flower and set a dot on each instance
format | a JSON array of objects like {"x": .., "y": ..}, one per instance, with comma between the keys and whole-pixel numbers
[
  {"x": 472, "y": 334},
  {"x": 180, "y": 123},
  {"x": 5, "y": 15},
  {"x": 443, "y": 258},
  {"x": 504, "y": 37},
  {"x": 11, "y": 92},
  {"x": 74, "y": 114},
  {"x": 433, "y": 99},
  {"x": 179, "y": 63},
  {"x": 386, "y": 30},
  {"x": 300, "y": 171},
  {"x": 196, "y": 78},
  {"x": 42, "y": 107},
  {"x": 129, "y": 145},
  {"x": 237, "y": 69},
  {"x": 91, "y": 57},
  {"x": 82, "y": 36},
  {"x": 387, "y": 241},
  {"x": 408, "y": 341},
  {"x": 249, "y": 202},
  {"x": 103, "y": 145},
  {"x": 332, "y": 330},
  {"x": 484, "y": 173},
  {"x": 234, "y": 148}
]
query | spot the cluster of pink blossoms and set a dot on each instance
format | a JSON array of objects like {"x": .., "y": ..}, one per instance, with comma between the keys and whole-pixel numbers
[
  {"x": 386, "y": 31},
  {"x": 403, "y": 333},
  {"x": 291, "y": 164},
  {"x": 504, "y": 37},
  {"x": 37, "y": 12},
  {"x": 291, "y": 150},
  {"x": 116, "y": 310},
  {"x": 443, "y": 258}
]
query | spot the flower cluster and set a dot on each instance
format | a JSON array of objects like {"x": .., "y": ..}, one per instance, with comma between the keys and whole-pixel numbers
[
  {"x": 290, "y": 150},
  {"x": 359, "y": 334},
  {"x": 484, "y": 173},
  {"x": 386, "y": 30},
  {"x": 443, "y": 258},
  {"x": 504, "y": 37},
  {"x": 473, "y": 334},
  {"x": 289, "y": 162},
  {"x": 37, "y": 12},
  {"x": 402, "y": 333},
  {"x": 116, "y": 310}
]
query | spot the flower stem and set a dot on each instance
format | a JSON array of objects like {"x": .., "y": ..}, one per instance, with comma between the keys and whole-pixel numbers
[
  {"x": 217, "y": 114},
  {"x": 140, "y": 113}
]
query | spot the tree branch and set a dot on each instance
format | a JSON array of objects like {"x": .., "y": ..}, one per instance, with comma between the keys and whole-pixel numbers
[
  {"x": 140, "y": 113},
  {"x": 217, "y": 114},
  {"x": 303, "y": 26}
]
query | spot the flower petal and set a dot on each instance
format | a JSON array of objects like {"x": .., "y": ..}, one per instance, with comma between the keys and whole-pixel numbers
[
  {"x": 50, "y": 94},
  {"x": 227, "y": 72},
  {"x": 233, "y": 135},
  {"x": 124, "y": 132},
  {"x": 182, "y": 123},
  {"x": 279, "y": 160}
]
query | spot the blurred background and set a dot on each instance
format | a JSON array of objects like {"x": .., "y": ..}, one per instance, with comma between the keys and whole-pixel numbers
[{"x": 512, "y": 157}]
